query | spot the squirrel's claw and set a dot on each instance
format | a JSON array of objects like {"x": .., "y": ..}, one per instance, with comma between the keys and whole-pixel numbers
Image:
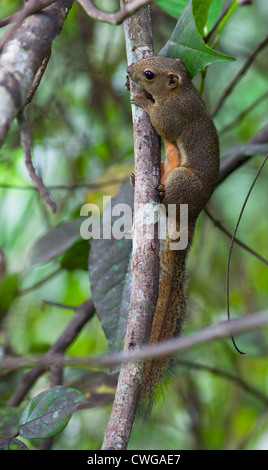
[
  {"x": 160, "y": 188},
  {"x": 161, "y": 191}
]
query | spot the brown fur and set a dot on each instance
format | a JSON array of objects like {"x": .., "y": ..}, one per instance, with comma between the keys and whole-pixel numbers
[{"x": 189, "y": 176}]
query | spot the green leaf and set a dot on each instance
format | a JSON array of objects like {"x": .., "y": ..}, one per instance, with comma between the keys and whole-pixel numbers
[
  {"x": 55, "y": 241},
  {"x": 11, "y": 443},
  {"x": 49, "y": 412},
  {"x": 187, "y": 44},
  {"x": 173, "y": 7},
  {"x": 205, "y": 12},
  {"x": 200, "y": 12},
  {"x": 76, "y": 257},
  {"x": 8, "y": 288},
  {"x": 110, "y": 279},
  {"x": 213, "y": 14}
]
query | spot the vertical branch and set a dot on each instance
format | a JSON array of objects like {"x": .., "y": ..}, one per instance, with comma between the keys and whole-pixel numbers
[{"x": 145, "y": 260}]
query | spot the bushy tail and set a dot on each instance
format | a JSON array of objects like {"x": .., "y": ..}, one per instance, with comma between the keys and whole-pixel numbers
[{"x": 168, "y": 319}]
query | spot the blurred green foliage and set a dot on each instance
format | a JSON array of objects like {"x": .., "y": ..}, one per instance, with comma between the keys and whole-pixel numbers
[{"x": 81, "y": 125}]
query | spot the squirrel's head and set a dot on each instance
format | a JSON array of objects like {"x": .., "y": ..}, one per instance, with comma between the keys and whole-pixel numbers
[{"x": 158, "y": 75}]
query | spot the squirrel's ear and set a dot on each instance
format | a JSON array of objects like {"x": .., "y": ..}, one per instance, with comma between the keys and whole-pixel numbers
[{"x": 174, "y": 79}]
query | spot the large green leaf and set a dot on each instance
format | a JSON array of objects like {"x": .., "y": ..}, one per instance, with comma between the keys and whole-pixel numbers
[
  {"x": 187, "y": 44},
  {"x": 110, "y": 280},
  {"x": 49, "y": 412}
]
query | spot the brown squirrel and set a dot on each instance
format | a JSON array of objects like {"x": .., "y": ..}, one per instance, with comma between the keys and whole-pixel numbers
[{"x": 188, "y": 176}]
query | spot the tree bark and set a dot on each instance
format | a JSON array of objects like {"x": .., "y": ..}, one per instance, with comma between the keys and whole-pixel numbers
[{"x": 145, "y": 259}]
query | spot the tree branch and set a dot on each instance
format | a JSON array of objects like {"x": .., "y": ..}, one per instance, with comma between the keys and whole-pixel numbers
[
  {"x": 22, "y": 57},
  {"x": 177, "y": 345},
  {"x": 30, "y": 8},
  {"x": 33, "y": 6},
  {"x": 180, "y": 344},
  {"x": 113, "y": 18},
  {"x": 235, "y": 161}
]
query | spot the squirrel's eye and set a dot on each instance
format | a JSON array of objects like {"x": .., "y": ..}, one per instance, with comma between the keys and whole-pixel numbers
[{"x": 149, "y": 75}]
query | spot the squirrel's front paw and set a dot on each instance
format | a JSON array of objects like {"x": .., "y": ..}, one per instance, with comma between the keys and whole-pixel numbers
[
  {"x": 135, "y": 100},
  {"x": 139, "y": 97},
  {"x": 161, "y": 191}
]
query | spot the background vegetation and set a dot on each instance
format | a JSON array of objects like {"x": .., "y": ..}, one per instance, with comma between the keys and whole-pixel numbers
[{"x": 81, "y": 126}]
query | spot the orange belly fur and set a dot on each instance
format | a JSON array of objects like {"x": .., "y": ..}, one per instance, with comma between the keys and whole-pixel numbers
[{"x": 172, "y": 160}]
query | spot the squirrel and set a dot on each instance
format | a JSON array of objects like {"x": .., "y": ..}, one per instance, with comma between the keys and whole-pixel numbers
[{"x": 188, "y": 176}]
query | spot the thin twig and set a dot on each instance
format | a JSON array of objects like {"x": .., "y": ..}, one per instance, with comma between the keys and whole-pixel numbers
[
  {"x": 61, "y": 187},
  {"x": 112, "y": 18},
  {"x": 238, "y": 76},
  {"x": 241, "y": 116},
  {"x": 57, "y": 304},
  {"x": 26, "y": 142},
  {"x": 235, "y": 161},
  {"x": 172, "y": 346},
  {"x": 39, "y": 283},
  {"x": 15, "y": 363},
  {"x": 218, "y": 224},
  {"x": 232, "y": 244},
  {"x": 226, "y": 375},
  {"x": 37, "y": 80},
  {"x": 83, "y": 314}
]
